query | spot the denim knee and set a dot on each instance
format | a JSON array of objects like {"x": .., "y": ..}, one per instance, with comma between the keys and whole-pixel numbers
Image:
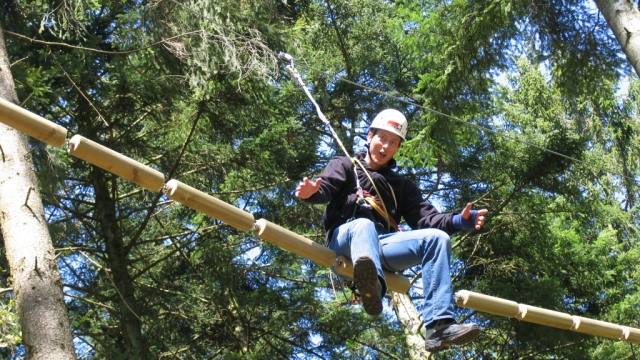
[
  {"x": 360, "y": 224},
  {"x": 435, "y": 237},
  {"x": 358, "y": 232}
]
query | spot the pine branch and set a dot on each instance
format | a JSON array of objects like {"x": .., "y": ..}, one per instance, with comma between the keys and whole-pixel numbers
[
  {"x": 92, "y": 302},
  {"x": 158, "y": 261},
  {"x": 143, "y": 225},
  {"x": 286, "y": 341},
  {"x": 186, "y": 233},
  {"x": 374, "y": 347},
  {"x": 69, "y": 46},
  {"x": 535, "y": 354}
]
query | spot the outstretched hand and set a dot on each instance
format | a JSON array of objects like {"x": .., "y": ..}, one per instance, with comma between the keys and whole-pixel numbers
[
  {"x": 307, "y": 188},
  {"x": 479, "y": 220}
]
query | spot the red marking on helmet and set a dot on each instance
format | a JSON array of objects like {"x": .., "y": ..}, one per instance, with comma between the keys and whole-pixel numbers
[{"x": 393, "y": 124}]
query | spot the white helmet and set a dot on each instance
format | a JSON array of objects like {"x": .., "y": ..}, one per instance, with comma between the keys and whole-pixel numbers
[{"x": 391, "y": 120}]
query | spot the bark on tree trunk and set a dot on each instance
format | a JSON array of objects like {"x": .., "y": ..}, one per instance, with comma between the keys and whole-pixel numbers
[
  {"x": 623, "y": 18},
  {"x": 411, "y": 325},
  {"x": 37, "y": 287}
]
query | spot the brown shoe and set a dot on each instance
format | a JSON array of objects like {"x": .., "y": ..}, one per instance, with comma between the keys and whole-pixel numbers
[{"x": 366, "y": 280}]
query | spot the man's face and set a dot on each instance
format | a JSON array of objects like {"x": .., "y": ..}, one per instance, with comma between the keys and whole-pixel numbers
[{"x": 382, "y": 147}]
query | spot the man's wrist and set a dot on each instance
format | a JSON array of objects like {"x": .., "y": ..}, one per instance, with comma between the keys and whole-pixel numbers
[{"x": 460, "y": 223}]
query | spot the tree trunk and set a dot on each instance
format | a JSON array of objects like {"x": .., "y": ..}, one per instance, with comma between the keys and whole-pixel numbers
[
  {"x": 411, "y": 325},
  {"x": 130, "y": 322},
  {"x": 37, "y": 286},
  {"x": 623, "y": 18}
]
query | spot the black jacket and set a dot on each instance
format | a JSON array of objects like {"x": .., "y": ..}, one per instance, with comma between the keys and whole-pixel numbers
[{"x": 401, "y": 196}]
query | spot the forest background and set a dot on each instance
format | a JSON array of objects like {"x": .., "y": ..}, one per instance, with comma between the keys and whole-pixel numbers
[{"x": 528, "y": 108}]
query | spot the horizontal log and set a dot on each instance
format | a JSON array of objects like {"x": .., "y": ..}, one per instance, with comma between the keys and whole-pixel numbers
[
  {"x": 631, "y": 334},
  {"x": 115, "y": 163},
  {"x": 597, "y": 327},
  {"x": 31, "y": 124},
  {"x": 488, "y": 304},
  {"x": 498, "y": 306},
  {"x": 545, "y": 317},
  {"x": 295, "y": 243},
  {"x": 319, "y": 254},
  {"x": 209, "y": 205}
]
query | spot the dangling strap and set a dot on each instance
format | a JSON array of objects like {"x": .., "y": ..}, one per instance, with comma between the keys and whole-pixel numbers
[{"x": 359, "y": 191}]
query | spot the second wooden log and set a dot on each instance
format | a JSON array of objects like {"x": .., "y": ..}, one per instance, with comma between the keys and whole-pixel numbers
[{"x": 115, "y": 163}]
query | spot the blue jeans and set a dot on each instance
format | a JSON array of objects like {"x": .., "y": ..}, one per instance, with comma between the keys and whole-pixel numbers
[{"x": 397, "y": 251}]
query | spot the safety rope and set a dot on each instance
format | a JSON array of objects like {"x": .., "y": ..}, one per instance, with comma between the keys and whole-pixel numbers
[{"x": 298, "y": 78}]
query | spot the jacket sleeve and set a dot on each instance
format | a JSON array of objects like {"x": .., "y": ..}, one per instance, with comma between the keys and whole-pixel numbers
[
  {"x": 421, "y": 214},
  {"x": 334, "y": 177}
]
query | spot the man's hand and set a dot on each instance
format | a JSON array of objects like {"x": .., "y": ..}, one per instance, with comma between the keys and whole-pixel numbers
[
  {"x": 479, "y": 220},
  {"x": 307, "y": 188}
]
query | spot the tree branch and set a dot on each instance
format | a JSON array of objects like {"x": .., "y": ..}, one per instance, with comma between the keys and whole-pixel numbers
[
  {"x": 136, "y": 237},
  {"x": 92, "y": 302},
  {"x": 6, "y": 290},
  {"x": 153, "y": 264},
  {"x": 286, "y": 341},
  {"x": 69, "y": 46},
  {"x": 374, "y": 347}
]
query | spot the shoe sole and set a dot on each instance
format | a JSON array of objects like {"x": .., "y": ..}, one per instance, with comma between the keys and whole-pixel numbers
[
  {"x": 366, "y": 278},
  {"x": 460, "y": 340}
]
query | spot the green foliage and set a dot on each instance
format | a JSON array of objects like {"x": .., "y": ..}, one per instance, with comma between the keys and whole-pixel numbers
[
  {"x": 10, "y": 334},
  {"x": 553, "y": 239}
]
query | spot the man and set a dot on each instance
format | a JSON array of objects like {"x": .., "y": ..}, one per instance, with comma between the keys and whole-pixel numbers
[{"x": 368, "y": 236}]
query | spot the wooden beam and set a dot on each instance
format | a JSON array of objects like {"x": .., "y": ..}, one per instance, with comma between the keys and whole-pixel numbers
[
  {"x": 32, "y": 124},
  {"x": 320, "y": 254},
  {"x": 115, "y": 163},
  {"x": 209, "y": 205},
  {"x": 502, "y": 307}
]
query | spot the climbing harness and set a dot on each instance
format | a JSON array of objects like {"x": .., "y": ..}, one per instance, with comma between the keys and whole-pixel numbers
[{"x": 363, "y": 202}]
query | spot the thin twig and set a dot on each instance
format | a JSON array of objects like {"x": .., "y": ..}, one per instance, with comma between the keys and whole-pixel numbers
[
  {"x": 26, "y": 201},
  {"x": 91, "y": 302},
  {"x": 106, "y": 271},
  {"x": 26, "y": 204},
  {"x": 48, "y": 43},
  {"x": 80, "y": 91},
  {"x": 5, "y": 290},
  {"x": 17, "y": 61}
]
